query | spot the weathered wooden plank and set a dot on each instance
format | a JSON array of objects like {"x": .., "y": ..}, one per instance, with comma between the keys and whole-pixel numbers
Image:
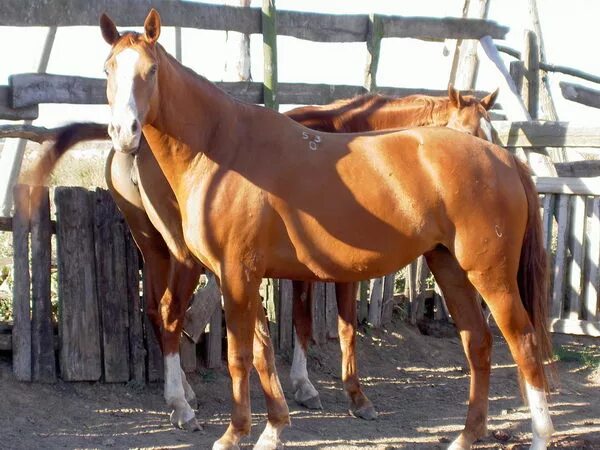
[
  {"x": 206, "y": 300},
  {"x": 319, "y": 325},
  {"x": 531, "y": 87},
  {"x": 363, "y": 301},
  {"x": 580, "y": 94},
  {"x": 546, "y": 134},
  {"x": 560, "y": 260},
  {"x": 374, "y": 36},
  {"x": 576, "y": 245},
  {"x": 42, "y": 331},
  {"x": 565, "y": 185},
  {"x": 387, "y": 299},
  {"x": 548, "y": 219},
  {"x": 429, "y": 28},
  {"x": 187, "y": 354},
  {"x": 331, "y": 311},
  {"x": 111, "y": 286},
  {"x": 286, "y": 328},
  {"x": 303, "y": 25},
  {"x": 137, "y": 350},
  {"x": 155, "y": 362},
  {"x": 576, "y": 169},
  {"x": 31, "y": 89},
  {"x": 29, "y": 132},
  {"x": 571, "y": 326},
  {"x": 214, "y": 340},
  {"x": 375, "y": 302},
  {"x": 272, "y": 307},
  {"x": 592, "y": 261},
  {"x": 269, "y": 34},
  {"x": 79, "y": 318},
  {"x": 21, "y": 333},
  {"x": 7, "y": 112}
]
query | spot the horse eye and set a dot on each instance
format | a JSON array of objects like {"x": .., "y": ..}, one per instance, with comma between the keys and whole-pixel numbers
[{"x": 153, "y": 69}]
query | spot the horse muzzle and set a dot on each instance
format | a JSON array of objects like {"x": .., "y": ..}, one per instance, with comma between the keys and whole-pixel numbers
[{"x": 125, "y": 139}]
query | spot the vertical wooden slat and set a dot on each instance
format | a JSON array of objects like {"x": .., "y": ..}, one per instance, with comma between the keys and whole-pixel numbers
[
  {"x": 374, "y": 36},
  {"x": 111, "y": 286},
  {"x": 137, "y": 350},
  {"x": 187, "y": 352},
  {"x": 548, "y": 219},
  {"x": 531, "y": 87},
  {"x": 592, "y": 256},
  {"x": 558, "y": 286},
  {"x": 576, "y": 234},
  {"x": 272, "y": 306},
  {"x": 375, "y": 301},
  {"x": 388, "y": 299},
  {"x": 154, "y": 359},
  {"x": 42, "y": 332},
  {"x": 21, "y": 332},
  {"x": 79, "y": 319},
  {"x": 363, "y": 301},
  {"x": 319, "y": 326},
  {"x": 269, "y": 33},
  {"x": 331, "y": 311},
  {"x": 286, "y": 328},
  {"x": 214, "y": 340}
]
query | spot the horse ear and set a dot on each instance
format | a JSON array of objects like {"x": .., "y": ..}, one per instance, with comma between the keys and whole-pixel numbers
[
  {"x": 109, "y": 29},
  {"x": 152, "y": 26},
  {"x": 455, "y": 96},
  {"x": 488, "y": 101}
]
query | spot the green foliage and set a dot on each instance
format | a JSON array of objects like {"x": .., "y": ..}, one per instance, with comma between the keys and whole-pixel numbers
[{"x": 586, "y": 357}]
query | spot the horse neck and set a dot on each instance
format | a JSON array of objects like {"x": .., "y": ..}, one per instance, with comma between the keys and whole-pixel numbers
[
  {"x": 419, "y": 111},
  {"x": 186, "y": 124}
]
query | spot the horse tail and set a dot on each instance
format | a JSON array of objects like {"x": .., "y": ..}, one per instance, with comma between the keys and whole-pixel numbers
[
  {"x": 533, "y": 269},
  {"x": 64, "y": 139}
]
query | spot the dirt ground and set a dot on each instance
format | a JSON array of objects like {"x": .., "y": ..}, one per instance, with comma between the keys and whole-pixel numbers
[{"x": 418, "y": 384}]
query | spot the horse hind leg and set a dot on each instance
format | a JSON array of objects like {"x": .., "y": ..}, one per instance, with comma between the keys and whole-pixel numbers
[
  {"x": 360, "y": 405},
  {"x": 498, "y": 286},
  {"x": 462, "y": 301},
  {"x": 305, "y": 393}
]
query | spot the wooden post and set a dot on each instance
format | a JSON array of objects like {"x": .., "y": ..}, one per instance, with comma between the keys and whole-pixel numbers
[
  {"x": 79, "y": 321},
  {"x": 576, "y": 235},
  {"x": 205, "y": 301},
  {"x": 465, "y": 65},
  {"x": 331, "y": 311},
  {"x": 269, "y": 33},
  {"x": 530, "y": 89},
  {"x": 21, "y": 332},
  {"x": 363, "y": 301},
  {"x": 286, "y": 328},
  {"x": 12, "y": 153},
  {"x": 214, "y": 340},
  {"x": 272, "y": 306},
  {"x": 237, "y": 59},
  {"x": 137, "y": 350},
  {"x": 319, "y": 326},
  {"x": 592, "y": 255},
  {"x": 42, "y": 331},
  {"x": 517, "y": 73},
  {"x": 560, "y": 262},
  {"x": 375, "y": 302},
  {"x": 111, "y": 286},
  {"x": 388, "y": 299},
  {"x": 374, "y": 36}
]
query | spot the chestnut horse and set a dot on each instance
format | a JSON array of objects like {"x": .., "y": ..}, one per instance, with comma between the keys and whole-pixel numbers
[
  {"x": 135, "y": 191},
  {"x": 371, "y": 204}
]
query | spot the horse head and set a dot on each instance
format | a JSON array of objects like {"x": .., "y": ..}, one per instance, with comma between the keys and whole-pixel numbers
[
  {"x": 470, "y": 115},
  {"x": 132, "y": 73}
]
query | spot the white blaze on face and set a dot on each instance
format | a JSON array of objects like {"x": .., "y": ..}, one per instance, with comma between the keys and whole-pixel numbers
[
  {"x": 486, "y": 127},
  {"x": 124, "y": 111}
]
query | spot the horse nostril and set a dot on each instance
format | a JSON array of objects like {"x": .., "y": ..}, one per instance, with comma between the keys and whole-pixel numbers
[{"x": 134, "y": 126}]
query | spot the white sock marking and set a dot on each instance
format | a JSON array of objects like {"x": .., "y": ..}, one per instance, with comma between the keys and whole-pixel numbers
[{"x": 541, "y": 423}]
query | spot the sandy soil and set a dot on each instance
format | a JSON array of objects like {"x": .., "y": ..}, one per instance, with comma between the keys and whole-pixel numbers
[{"x": 418, "y": 384}]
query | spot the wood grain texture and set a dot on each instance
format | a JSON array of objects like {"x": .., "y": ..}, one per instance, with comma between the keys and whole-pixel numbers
[
  {"x": 79, "y": 318},
  {"x": 560, "y": 261}
]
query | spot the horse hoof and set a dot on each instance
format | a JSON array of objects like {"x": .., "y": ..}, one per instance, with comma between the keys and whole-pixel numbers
[
  {"x": 218, "y": 445},
  {"x": 192, "y": 425},
  {"x": 311, "y": 402},
  {"x": 366, "y": 413},
  {"x": 278, "y": 445}
]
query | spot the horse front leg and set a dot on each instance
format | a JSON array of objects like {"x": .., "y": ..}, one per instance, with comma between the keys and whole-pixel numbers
[
  {"x": 182, "y": 280},
  {"x": 242, "y": 315},
  {"x": 360, "y": 405},
  {"x": 305, "y": 393}
]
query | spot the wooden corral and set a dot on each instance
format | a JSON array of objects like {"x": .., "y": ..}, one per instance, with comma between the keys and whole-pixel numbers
[{"x": 102, "y": 332}]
